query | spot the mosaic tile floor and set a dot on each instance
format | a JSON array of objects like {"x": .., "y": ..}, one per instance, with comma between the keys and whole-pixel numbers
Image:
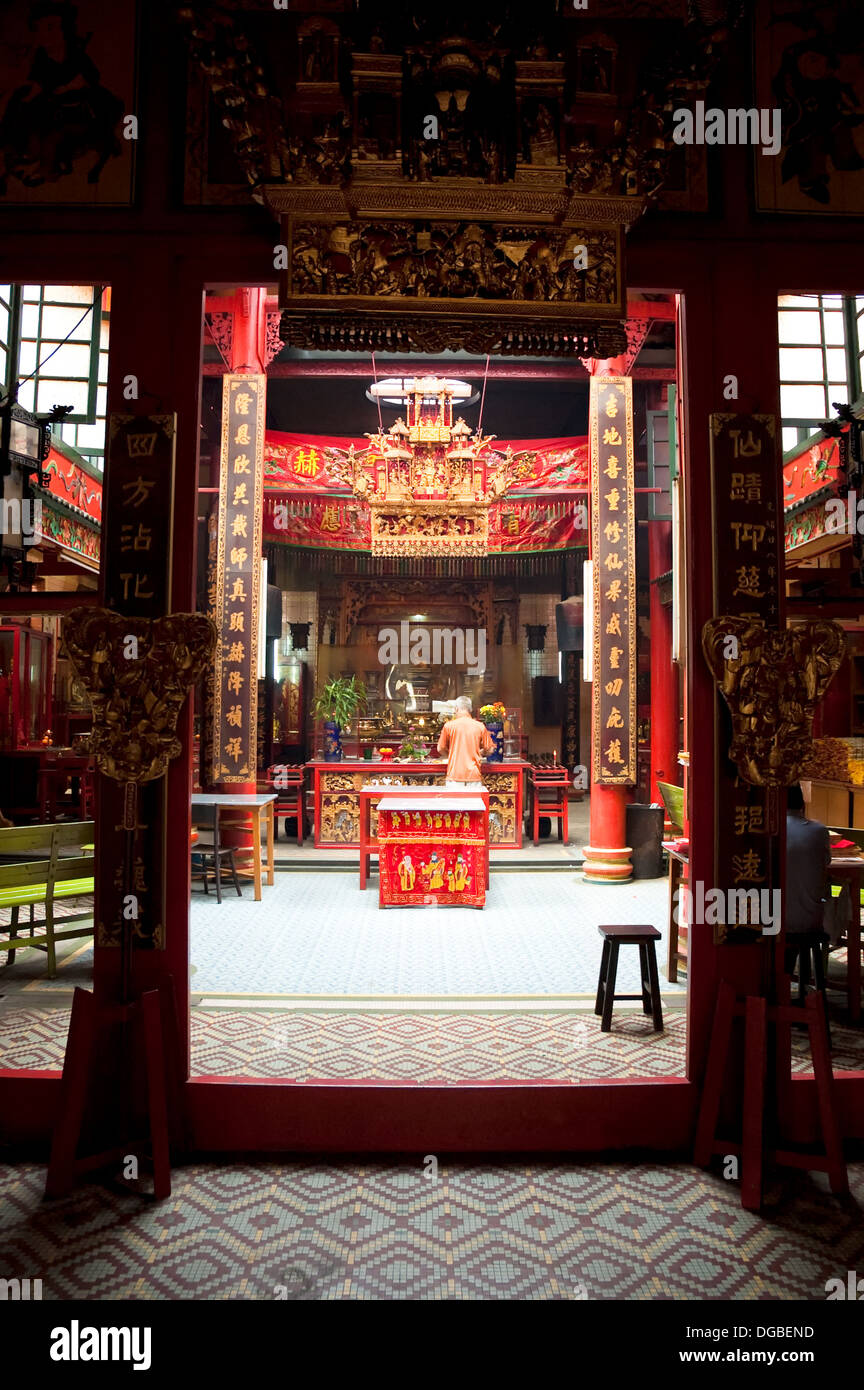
[
  {"x": 422, "y": 1049},
  {"x": 317, "y": 934},
  {"x": 389, "y": 1231}
]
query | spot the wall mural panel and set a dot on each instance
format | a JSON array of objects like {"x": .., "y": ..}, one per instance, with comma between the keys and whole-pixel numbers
[
  {"x": 809, "y": 63},
  {"x": 67, "y": 79}
]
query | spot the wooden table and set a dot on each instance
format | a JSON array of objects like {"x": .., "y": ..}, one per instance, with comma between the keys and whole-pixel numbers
[
  {"x": 337, "y": 803},
  {"x": 850, "y": 869},
  {"x": 257, "y": 806},
  {"x": 369, "y": 795}
]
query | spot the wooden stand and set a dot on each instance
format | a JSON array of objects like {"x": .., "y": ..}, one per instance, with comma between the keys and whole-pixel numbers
[
  {"x": 154, "y": 1020},
  {"x": 759, "y": 1015}
]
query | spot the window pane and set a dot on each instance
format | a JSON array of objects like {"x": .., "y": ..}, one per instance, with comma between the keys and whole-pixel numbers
[
  {"x": 101, "y": 402},
  {"x": 70, "y": 359},
  {"x": 802, "y": 402},
  {"x": 801, "y": 364},
  {"x": 68, "y": 294},
  {"x": 59, "y": 323},
  {"x": 27, "y": 359},
  {"x": 91, "y": 436},
  {"x": 4, "y": 357},
  {"x": 31, "y": 293},
  {"x": 104, "y": 330},
  {"x": 790, "y": 437},
  {"x": 29, "y": 321},
  {"x": 103, "y": 366},
  {"x": 72, "y": 393},
  {"x": 799, "y": 327},
  {"x": 25, "y": 395},
  {"x": 835, "y": 329},
  {"x": 838, "y": 391},
  {"x": 832, "y": 301},
  {"x": 806, "y": 301},
  {"x": 836, "y": 364}
]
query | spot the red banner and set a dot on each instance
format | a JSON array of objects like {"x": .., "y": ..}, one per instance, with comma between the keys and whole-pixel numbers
[
  {"x": 432, "y": 858},
  {"x": 307, "y": 501},
  {"x": 316, "y": 463},
  {"x": 332, "y": 522}
]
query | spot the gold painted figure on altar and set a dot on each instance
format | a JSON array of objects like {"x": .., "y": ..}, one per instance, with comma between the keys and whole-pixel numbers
[
  {"x": 407, "y": 873},
  {"x": 458, "y": 878},
  {"x": 433, "y": 872}
]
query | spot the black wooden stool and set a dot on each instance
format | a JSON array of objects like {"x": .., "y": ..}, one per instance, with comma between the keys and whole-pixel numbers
[{"x": 644, "y": 937}]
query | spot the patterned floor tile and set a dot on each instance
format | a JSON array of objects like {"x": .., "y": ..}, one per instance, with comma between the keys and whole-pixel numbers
[{"x": 377, "y": 1230}]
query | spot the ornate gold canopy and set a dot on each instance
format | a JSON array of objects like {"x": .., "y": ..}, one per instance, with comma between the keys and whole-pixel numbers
[{"x": 429, "y": 481}]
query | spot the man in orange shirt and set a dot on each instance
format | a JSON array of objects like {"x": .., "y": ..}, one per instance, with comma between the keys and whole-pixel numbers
[{"x": 464, "y": 740}]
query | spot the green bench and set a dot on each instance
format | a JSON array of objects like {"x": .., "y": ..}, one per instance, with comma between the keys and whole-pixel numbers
[
  {"x": 673, "y": 801},
  {"x": 60, "y": 873}
]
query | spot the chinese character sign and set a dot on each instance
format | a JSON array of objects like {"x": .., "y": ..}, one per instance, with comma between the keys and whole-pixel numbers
[
  {"x": 613, "y": 548},
  {"x": 745, "y": 480},
  {"x": 137, "y": 538},
  {"x": 140, "y": 493},
  {"x": 238, "y": 573}
]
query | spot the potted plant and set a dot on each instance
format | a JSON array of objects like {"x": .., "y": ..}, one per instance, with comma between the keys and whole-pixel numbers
[
  {"x": 493, "y": 717},
  {"x": 337, "y": 704}
]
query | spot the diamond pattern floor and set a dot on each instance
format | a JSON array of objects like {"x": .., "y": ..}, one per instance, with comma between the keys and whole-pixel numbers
[{"x": 395, "y": 1231}]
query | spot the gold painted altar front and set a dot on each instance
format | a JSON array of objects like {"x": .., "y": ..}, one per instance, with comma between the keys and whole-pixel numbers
[{"x": 337, "y": 800}]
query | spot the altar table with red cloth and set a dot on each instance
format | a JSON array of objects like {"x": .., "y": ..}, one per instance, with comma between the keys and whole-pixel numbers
[{"x": 432, "y": 852}]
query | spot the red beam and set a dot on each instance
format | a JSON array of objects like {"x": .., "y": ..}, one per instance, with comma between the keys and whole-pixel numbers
[{"x": 510, "y": 371}]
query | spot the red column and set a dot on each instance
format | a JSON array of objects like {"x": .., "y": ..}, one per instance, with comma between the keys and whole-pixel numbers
[
  {"x": 607, "y": 857},
  {"x": 664, "y": 677}
]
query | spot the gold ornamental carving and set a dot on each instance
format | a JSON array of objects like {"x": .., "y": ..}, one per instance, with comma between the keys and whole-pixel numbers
[
  {"x": 137, "y": 672},
  {"x": 772, "y": 682}
]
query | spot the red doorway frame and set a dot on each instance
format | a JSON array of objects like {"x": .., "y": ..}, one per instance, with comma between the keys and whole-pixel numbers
[{"x": 158, "y": 337}]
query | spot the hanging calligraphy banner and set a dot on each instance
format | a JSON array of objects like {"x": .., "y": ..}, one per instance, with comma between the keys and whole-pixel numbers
[
  {"x": 613, "y": 548},
  {"x": 238, "y": 579},
  {"x": 137, "y": 538},
  {"x": 744, "y": 476}
]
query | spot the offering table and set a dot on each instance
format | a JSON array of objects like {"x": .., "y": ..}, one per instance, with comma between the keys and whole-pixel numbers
[
  {"x": 337, "y": 800},
  {"x": 432, "y": 852}
]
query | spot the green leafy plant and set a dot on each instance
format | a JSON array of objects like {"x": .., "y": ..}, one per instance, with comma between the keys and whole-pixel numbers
[{"x": 340, "y": 700}]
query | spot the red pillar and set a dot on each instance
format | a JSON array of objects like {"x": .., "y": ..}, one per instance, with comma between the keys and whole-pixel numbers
[
  {"x": 607, "y": 857},
  {"x": 664, "y": 677}
]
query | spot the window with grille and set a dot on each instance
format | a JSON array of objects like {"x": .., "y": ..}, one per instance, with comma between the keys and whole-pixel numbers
[
  {"x": 820, "y": 362},
  {"x": 57, "y": 349}
]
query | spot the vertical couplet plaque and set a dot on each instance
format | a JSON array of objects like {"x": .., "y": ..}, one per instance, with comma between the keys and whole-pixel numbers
[
  {"x": 137, "y": 539},
  {"x": 238, "y": 579},
  {"x": 613, "y": 549},
  {"x": 744, "y": 470}
]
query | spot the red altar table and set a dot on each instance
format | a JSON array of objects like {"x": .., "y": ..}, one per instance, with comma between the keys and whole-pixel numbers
[
  {"x": 371, "y": 796},
  {"x": 432, "y": 852}
]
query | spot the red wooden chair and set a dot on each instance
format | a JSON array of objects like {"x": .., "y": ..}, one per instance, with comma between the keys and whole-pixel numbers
[
  {"x": 552, "y": 783},
  {"x": 290, "y": 787}
]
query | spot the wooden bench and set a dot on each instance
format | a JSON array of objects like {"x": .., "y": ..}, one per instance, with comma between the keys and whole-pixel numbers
[{"x": 47, "y": 880}]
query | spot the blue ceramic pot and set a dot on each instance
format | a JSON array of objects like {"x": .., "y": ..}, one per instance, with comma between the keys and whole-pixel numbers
[
  {"x": 332, "y": 742},
  {"x": 497, "y": 732}
]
